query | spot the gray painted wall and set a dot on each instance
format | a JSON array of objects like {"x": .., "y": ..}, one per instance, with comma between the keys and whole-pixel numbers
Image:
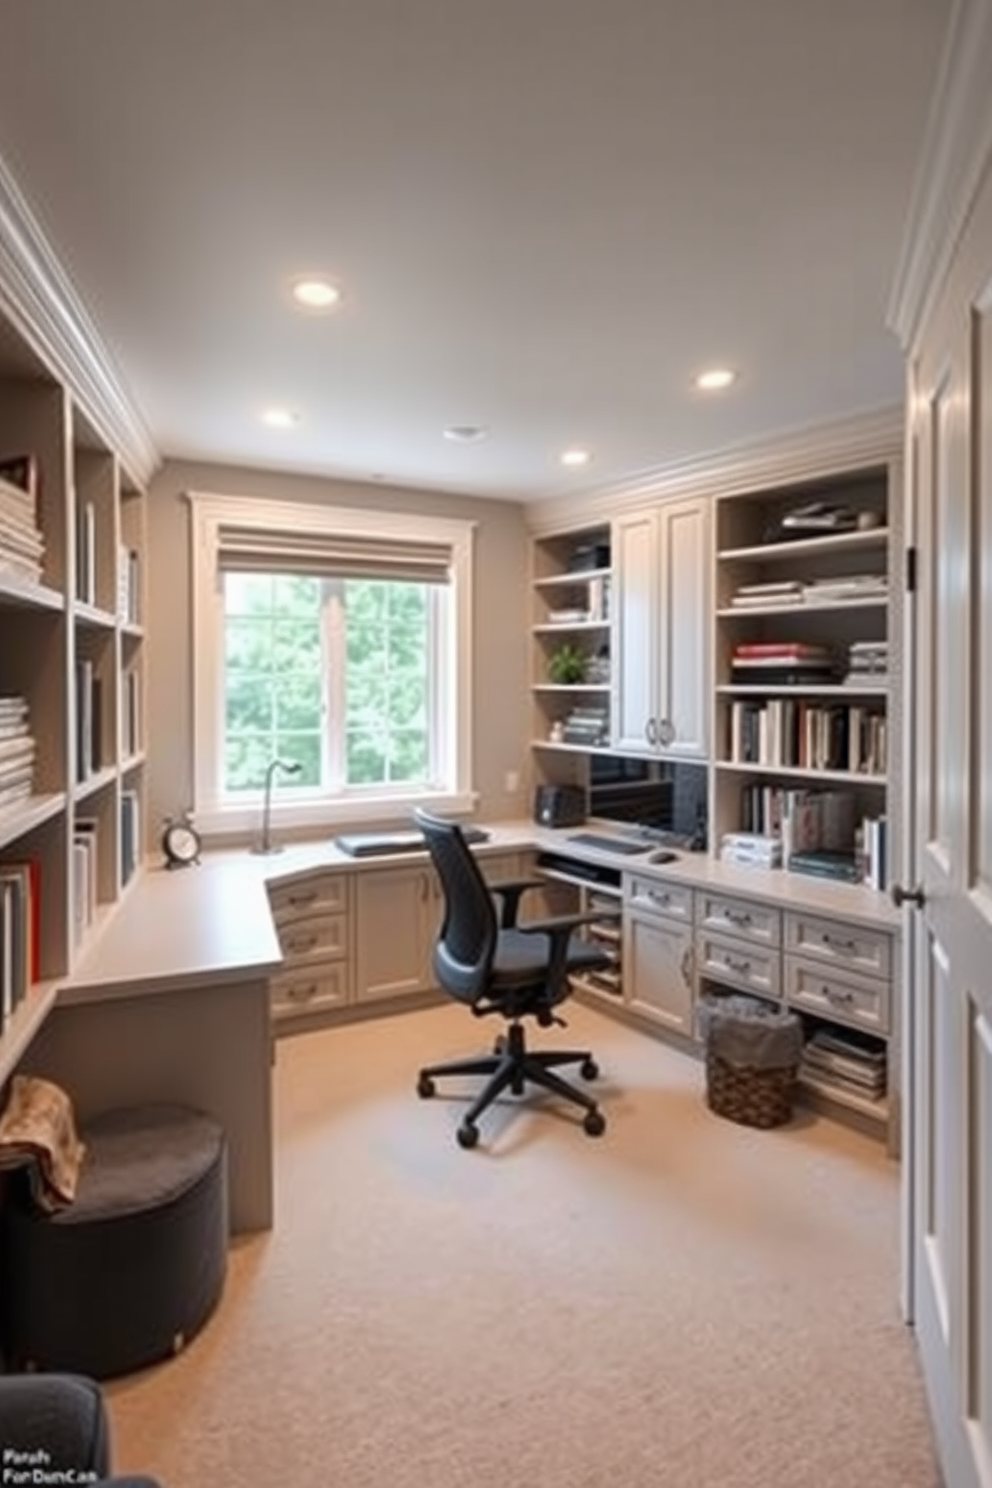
[{"x": 501, "y": 708}]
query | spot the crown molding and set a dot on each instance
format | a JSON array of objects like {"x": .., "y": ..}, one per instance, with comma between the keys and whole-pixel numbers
[
  {"x": 824, "y": 449},
  {"x": 38, "y": 297},
  {"x": 957, "y": 149}
]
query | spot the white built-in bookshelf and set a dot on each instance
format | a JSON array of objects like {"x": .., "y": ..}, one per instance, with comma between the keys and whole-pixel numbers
[{"x": 72, "y": 543}]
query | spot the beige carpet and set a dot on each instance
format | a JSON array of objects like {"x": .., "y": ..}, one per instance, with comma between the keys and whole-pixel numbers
[{"x": 680, "y": 1302}]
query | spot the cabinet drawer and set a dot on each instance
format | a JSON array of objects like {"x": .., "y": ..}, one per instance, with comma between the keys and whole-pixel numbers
[
  {"x": 673, "y": 900},
  {"x": 850, "y": 946},
  {"x": 317, "y": 937},
  {"x": 739, "y": 964},
  {"x": 318, "y": 893},
  {"x": 322, "y": 987},
  {"x": 741, "y": 918},
  {"x": 841, "y": 995}
]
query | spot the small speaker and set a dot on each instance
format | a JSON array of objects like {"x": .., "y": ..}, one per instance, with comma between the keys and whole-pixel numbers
[{"x": 559, "y": 805}]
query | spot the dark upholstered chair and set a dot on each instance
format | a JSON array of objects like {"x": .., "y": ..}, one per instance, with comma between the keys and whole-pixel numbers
[
  {"x": 494, "y": 964},
  {"x": 54, "y": 1429}
]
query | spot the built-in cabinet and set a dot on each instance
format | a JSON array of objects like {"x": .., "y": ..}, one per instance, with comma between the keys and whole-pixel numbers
[
  {"x": 661, "y": 563},
  {"x": 72, "y": 736},
  {"x": 361, "y": 936},
  {"x": 757, "y": 628}
]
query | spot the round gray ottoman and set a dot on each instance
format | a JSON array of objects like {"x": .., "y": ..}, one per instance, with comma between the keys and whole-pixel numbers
[{"x": 135, "y": 1265}]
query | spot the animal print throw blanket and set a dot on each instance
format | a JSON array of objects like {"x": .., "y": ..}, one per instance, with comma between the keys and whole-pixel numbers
[{"x": 38, "y": 1131}]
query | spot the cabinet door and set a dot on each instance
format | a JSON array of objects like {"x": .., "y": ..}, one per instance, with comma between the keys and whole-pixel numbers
[
  {"x": 657, "y": 970},
  {"x": 682, "y": 630},
  {"x": 395, "y": 920},
  {"x": 635, "y": 635}
]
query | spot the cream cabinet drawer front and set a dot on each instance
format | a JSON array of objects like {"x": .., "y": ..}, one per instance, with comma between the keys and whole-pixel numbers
[
  {"x": 318, "y": 937},
  {"x": 739, "y": 917},
  {"x": 738, "y": 964},
  {"x": 851, "y": 947},
  {"x": 673, "y": 900},
  {"x": 844, "y": 996},
  {"x": 298, "y": 991},
  {"x": 322, "y": 893}
]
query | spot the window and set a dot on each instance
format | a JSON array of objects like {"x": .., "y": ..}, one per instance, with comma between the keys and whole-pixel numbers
[{"x": 336, "y": 641}]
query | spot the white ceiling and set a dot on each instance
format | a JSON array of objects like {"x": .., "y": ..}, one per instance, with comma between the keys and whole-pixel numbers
[{"x": 545, "y": 217}]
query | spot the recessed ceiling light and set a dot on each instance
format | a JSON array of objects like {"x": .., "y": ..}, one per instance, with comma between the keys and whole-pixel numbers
[
  {"x": 715, "y": 379},
  {"x": 280, "y": 418},
  {"x": 575, "y": 457},
  {"x": 465, "y": 433},
  {"x": 316, "y": 294}
]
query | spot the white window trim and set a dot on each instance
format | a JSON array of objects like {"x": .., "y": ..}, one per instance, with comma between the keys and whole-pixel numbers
[{"x": 208, "y": 514}]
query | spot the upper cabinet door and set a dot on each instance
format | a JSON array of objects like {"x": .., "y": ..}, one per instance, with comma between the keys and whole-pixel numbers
[
  {"x": 636, "y": 571},
  {"x": 661, "y": 561},
  {"x": 683, "y": 630}
]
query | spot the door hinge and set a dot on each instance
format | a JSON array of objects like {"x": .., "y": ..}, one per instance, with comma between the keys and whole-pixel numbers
[{"x": 911, "y": 570}]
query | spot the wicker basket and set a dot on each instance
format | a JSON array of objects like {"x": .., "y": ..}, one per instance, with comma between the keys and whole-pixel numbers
[{"x": 750, "y": 1096}]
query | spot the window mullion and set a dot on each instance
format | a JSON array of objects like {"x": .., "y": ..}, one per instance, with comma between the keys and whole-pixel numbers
[{"x": 333, "y": 636}]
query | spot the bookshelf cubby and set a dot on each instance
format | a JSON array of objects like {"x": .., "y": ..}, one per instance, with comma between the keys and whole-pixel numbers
[
  {"x": 803, "y": 594},
  {"x": 70, "y": 518}
]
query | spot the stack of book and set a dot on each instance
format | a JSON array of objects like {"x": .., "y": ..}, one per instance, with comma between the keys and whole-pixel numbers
[
  {"x": 842, "y": 590},
  {"x": 868, "y": 661},
  {"x": 751, "y": 849},
  {"x": 778, "y": 663},
  {"x": 588, "y": 725},
  {"x": 16, "y": 752},
  {"x": 22, "y": 546},
  {"x": 844, "y": 1060},
  {"x": 872, "y": 851},
  {"x": 759, "y": 596}
]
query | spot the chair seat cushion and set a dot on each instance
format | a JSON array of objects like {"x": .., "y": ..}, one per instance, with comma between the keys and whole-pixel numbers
[{"x": 521, "y": 959}]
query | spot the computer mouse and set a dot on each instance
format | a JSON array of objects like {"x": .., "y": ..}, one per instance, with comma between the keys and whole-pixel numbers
[{"x": 663, "y": 855}]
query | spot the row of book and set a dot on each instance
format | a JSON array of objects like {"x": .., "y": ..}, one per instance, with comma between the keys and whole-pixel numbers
[
  {"x": 22, "y": 546},
  {"x": 19, "y": 935},
  {"x": 17, "y": 751},
  {"x": 796, "y": 733},
  {"x": 844, "y": 1059},
  {"x": 818, "y": 832}
]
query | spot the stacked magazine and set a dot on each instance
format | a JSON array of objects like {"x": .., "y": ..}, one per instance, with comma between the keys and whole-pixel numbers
[
  {"x": 845, "y": 1060},
  {"x": 21, "y": 544},
  {"x": 16, "y": 752}
]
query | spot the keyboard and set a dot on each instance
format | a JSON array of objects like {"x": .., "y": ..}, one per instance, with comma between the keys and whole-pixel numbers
[{"x": 627, "y": 846}]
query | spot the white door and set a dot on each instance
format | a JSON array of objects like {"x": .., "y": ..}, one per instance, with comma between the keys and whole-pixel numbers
[
  {"x": 683, "y": 629},
  {"x": 634, "y": 543},
  {"x": 949, "y": 930}
]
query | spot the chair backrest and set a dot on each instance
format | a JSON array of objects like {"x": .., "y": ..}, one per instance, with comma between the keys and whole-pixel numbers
[{"x": 466, "y": 942}]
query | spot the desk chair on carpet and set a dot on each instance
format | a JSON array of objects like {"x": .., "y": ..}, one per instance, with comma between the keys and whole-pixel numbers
[{"x": 496, "y": 965}]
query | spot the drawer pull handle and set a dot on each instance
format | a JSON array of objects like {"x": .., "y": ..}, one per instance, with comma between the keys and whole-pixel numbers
[
  {"x": 303, "y": 993},
  {"x": 832, "y": 994},
  {"x": 738, "y": 917},
  {"x": 657, "y": 898},
  {"x": 298, "y": 899},
  {"x": 838, "y": 943},
  {"x": 687, "y": 966},
  {"x": 300, "y": 942},
  {"x": 742, "y": 968}
]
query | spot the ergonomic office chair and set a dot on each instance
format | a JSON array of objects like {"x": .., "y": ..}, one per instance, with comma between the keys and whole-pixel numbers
[{"x": 496, "y": 965}]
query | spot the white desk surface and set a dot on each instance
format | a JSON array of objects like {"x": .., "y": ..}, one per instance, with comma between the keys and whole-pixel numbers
[{"x": 212, "y": 922}]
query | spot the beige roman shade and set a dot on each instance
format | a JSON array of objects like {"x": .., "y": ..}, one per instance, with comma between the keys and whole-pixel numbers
[{"x": 332, "y": 555}]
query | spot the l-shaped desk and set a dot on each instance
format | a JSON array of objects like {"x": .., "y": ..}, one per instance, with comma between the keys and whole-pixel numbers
[{"x": 171, "y": 1001}]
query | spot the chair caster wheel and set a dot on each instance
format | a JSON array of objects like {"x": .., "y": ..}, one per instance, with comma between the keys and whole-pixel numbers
[
  {"x": 467, "y": 1134},
  {"x": 425, "y": 1087},
  {"x": 594, "y": 1124},
  {"x": 589, "y": 1069}
]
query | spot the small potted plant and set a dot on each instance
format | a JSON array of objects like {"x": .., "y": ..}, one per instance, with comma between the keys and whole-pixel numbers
[{"x": 567, "y": 665}]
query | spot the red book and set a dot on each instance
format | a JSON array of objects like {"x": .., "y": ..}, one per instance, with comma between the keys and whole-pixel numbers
[{"x": 790, "y": 650}]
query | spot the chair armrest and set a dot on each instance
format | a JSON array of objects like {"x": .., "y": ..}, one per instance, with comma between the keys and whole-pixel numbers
[
  {"x": 511, "y": 891},
  {"x": 557, "y": 924},
  {"x": 559, "y": 930}
]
